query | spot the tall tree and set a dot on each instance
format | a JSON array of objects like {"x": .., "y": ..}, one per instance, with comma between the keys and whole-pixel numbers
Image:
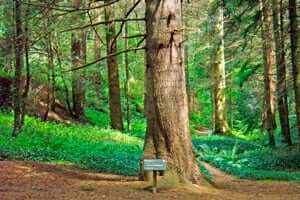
[
  {"x": 97, "y": 47},
  {"x": 78, "y": 49},
  {"x": 113, "y": 71},
  {"x": 51, "y": 69},
  {"x": 167, "y": 134},
  {"x": 295, "y": 50},
  {"x": 19, "y": 54},
  {"x": 269, "y": 69},
  {"x": 282, "y": 100},
  {"x": 217, "y": 68},
  {"x": 127, "y": 89}
]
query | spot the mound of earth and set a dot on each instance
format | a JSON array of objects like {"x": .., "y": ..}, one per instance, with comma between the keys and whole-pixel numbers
[{"x": 36, "y": 103}]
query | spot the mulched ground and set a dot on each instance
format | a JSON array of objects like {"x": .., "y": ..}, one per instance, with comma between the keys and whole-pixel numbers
[{"x": 26, "y": 180}]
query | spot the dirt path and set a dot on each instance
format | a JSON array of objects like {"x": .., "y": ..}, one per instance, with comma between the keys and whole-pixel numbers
[{"x": 26, "y": 180}]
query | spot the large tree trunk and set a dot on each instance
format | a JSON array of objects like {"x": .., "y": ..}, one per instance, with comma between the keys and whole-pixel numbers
[
  {"x": 113, "y": 72},
  {"x": 281, "y": 71},
  {"x": 295, "y": 50},
  {"x": 167, "y": 134},
  {"x": 217, "y": 71},
  {"x": 269, "y": 70},
  {"x": 78, "y": 58},
  {"x": 19, "y": 51}
]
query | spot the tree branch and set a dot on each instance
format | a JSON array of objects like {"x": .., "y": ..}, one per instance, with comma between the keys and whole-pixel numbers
[{"x": 105, "y": 57}]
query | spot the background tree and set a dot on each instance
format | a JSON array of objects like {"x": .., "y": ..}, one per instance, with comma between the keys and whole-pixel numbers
[
  {"x": 269, "y": 70},
  {"x": 78, "y": 49},
  {"x": 217, "y": 68},
  {"x": 19, "y": 51},
  {"x": 282, "y": 100},
  {"x": 295, "y": 51},
  {"x": 113, "y": 71}
]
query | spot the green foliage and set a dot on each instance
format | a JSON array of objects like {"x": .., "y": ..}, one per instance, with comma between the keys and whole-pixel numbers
[
  {"x": 249, "y": 160},
  {"x": 89, "y": 147},
  {"x": 6, "y": 74},
  {"x": 105, "y": 150},
  {"x": 97, "y": 118}
]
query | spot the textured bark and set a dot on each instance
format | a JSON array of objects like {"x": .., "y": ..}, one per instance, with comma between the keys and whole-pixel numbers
[
  {"x": 269, "y": 70},
  {"x": 167, "y": 134},
  {"x": 19, "y": 54},
  {"x": 282, "y": 100},
  {"x": 78, "y": 49},
  {"x": 113, "y": 72},
  {"x": 295, "y": 50},
  {"x": 217, "y": 71}
]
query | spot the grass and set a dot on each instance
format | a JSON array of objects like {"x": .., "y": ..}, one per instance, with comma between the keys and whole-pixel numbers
[
  {"x": 106, "y": 150},
  {"x": 103, "y": 150}
]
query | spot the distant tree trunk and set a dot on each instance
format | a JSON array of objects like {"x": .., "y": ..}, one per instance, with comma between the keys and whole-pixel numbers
[
  {"x": 51, "y": 71},
  {"x": 127, "y": 76},
  {"x": 97, "y": 47},
  {"x": 167, "y": 134},
  {"x": 28, "y": 71},
  {"x": 19, "y": 51},
  {"x": 281, "y": 71},
  {"x": 113, "y": 72},
  {"x": 295, "y": 51},
  {"x": 217, "y": 71},
  {"x": 78, "y": 49},
  {"x": 65, "y": 87},
  {"x": 269, "y": 70}
]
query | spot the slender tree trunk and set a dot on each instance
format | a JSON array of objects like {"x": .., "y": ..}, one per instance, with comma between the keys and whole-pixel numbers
[
  {"x": 295, "y": 51},
  {"x": 78, "y": 50},
  {"x": 127, "y": 76},
  {"x": 269, "y": 70},
  {"x": 113, "y": 72},
  {"x": 28, "y": 71},
  {"x": 167, "y": 134},
  {"x": 19, "y": 51},
  {"x": 281, "y": 72},
  {"x": 65, "y": 87},
  {"x": 51, "y": 78},
  {"x": 51, "y": 71},
  {"x": 217, "y": 73},
  {"x": 97, "y": 47}
]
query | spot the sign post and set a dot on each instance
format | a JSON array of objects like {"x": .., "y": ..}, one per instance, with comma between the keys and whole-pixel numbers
[{"x": 155, "y": 165}]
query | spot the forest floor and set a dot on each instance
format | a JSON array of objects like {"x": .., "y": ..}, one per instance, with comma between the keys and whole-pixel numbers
[{"x": 27, "y": 180}]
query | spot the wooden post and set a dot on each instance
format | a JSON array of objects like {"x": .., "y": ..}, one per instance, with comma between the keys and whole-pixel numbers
[{"x": 154, "y": 181}]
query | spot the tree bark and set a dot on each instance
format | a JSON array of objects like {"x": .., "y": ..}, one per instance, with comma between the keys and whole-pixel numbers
[
  {"x": 217, "y": 71},
  {"x": 113, "y": 72},
  {"x": 295, "y": 51},
  {"x": 282, "y": 101},
  {"x": 269, "y": 70},
  {"x": 78, "y": 49},
  {"x": 167, "y": 134},
  {"x": 19, "y": 54}
]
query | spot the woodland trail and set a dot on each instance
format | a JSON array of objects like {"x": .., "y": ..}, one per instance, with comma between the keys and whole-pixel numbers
[{"x": 27, "y": 180}]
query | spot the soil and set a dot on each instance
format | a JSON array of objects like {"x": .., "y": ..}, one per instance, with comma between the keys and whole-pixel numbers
[{"x": 27, "y": 180}]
